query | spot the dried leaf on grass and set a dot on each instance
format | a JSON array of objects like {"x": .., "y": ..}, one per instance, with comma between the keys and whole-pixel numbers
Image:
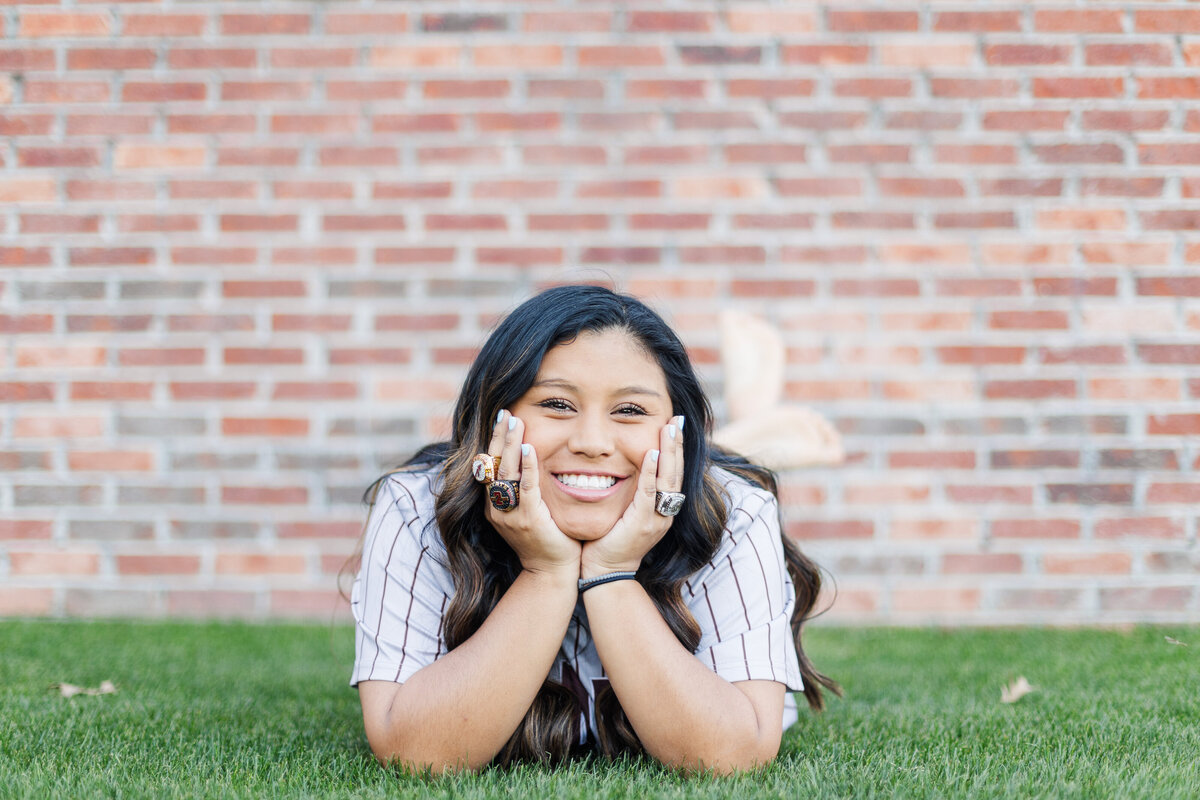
[
  {"x": 1015, "y": 690},
  {"x": 1175, "y": 641},
  {"x": 70, "y": 689}
]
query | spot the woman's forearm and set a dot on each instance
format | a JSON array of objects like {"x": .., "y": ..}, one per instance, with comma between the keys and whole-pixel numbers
[
  {"x": 685, "y": 714},
  {"x": 458, "y": 711}
]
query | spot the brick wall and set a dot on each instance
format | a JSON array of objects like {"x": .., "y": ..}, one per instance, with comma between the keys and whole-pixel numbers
[{"x": 247, "y": 249}]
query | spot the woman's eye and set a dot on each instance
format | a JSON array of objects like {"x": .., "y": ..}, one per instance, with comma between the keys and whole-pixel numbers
[
  {"x": 555, "y": 405},
  {"x": 631, "y": 411}
]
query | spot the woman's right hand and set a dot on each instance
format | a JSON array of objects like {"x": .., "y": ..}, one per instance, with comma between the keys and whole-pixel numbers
[{"x": 528, "y": 528}]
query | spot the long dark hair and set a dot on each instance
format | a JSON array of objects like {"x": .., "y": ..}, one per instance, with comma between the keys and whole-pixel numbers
[{"x": 482, "y": 564}]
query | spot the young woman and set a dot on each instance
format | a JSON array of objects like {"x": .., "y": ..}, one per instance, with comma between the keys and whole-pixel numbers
[{"x": 578, "y": 567}]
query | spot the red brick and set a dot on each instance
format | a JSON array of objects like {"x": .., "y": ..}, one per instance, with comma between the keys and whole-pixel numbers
[
  {"x": 363, "y": 222},
  {"x": 1072, "y": 20},
  {"x": 519, "y": 256},
  {"x": 871, "y": 20},
  {"x": 110, "y": 461},
  {"x": 319, "y": 530},
  {"x": 212, "y": 58},
  {"x": 1151, "y": 598},
  {"x": 1164, "y": 20},
  {"x": 979, "y": 287},
  {"x": 256, "y": 564},
  {"x": 1173, "y": 493},
  {"x": 64, "y": 92},
  {"x": 566, "y": 89},
  {"x": 972, "y": 87},
  {"x": 826, "y": 54},
  {"x": 26, "y": 392},
  {"x": 1169, "y": 353},
  {"x": 978, "y": 355},
  {"x": 999, "y": 21},
  {"x": 940, "y": 601},
  {"x": 59, "y": 223},
  {"x": 1173, "y": 424},
  {"x": 158, "y": 92},
  {"x": 370, "y": 23},
  {"x": 1029, "y": 389},
  {"x": 1039, "y": 119},
  {"x": 1127, "y": 458},
  {"x": 573, "y": 21},
  {"x": 158, "y": 564},
  {"x": 323, "y": 323},
  {"x": 62, "y": 25},
  {"x": 975, "y": 154},
  {"x": 927, "y": 529},
  {"x": 26, "y": 323},
  {"x": 1036, "y": 529},
  {"x": 1132, "y": 253},
  {"x": 74, "y": 427},
  {"x": 111, "y": 390},
  {"x": 1133, "y": 119},
  {"x": 1028, "y": 320},
  {"x": 155, "y": 156},
  {"x": 1166, "y": 86},
  {"x": 567, "y": 222},
  {"x": 669, "y": 22},
  {"x": 212, "y": 390},
  {"x": 876, "y": 87},
  {"x": 343, "y": 356},
  {"x": 60, "y": 357},
  {"x": 619, "y": 56},
  {"x": 416, "y": 123},
  {"x": 1086, "y": 494},
  {"x": 259, "y": 223},
  {"x": 833, "y": 529},
  {"x": 264, "y": 24},
  {"x": 1078, "y": 86},
  {"x": 12, "y": 529},
  {"x": 932, "y": 459},
  {"x": 1027, "y": 54},
  {"x": 25, "y": 124},
  {"x": 164, "y": 24},
  {"x": 24, "y": 256},
  {"x": 1140, "y": 528},
  {"x": 160, "y": 357},
  {"x": 266, "y": 90},
  {"x": 1128, "y": 54},
  {"x": 263, "y": 355},
  {"x": 54, "y": 562},
  {"x": 767, "y": 19},
  {"x": 277, "y": 426},
  {"x": 981, "y": 564},
  {"x": 416, "y": 322},
  {"x": 314, "y": 124},
  {"x": 1082, "y": 354}
]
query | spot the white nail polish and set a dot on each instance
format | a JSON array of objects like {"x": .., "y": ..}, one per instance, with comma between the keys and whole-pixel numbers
[
  {"x": 499, "y": 416},
  {"x": 671, "y": 431},
  {"x": 525, "y": 449},
  {"x": 512, "y": 423},
  {"x": 682, "y": 419},
  {"x": 654, "y": 455}
]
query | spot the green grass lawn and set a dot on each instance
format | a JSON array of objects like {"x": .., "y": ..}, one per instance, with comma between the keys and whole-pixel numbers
[{"x": 265, "y": 711}]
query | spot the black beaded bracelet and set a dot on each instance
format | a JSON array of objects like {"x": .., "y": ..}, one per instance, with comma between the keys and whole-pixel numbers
[{"x": 588, "y": 583}]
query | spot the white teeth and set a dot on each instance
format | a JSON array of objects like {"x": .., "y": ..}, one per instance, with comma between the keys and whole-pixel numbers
[{"x": 586, "y": 481}]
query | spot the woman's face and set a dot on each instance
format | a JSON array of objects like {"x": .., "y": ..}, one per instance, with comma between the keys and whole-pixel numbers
[{"x": 592, "y": 414}]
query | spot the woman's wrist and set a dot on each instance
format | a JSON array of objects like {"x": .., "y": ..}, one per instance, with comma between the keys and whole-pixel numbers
[{"x": 595, "y": 568}]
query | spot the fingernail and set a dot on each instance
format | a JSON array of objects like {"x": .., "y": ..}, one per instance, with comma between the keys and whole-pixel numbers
[
  {"x": 512, "y": 423},
  {"x": 654, "y": 455},
  {"x": 525, "y": 449},
  {"x": 671, "y": 431},
  {"x": 681, "y": 421},
  {"x": 499, "y": 416}
]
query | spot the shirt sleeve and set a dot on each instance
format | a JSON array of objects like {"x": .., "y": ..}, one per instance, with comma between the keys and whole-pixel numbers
[
  {"x": 743, "y": 599},
  {"x": 402, "y": 588}
]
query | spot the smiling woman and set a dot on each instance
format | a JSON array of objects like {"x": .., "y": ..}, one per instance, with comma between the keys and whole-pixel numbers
[{"x": 579, "y": 567}]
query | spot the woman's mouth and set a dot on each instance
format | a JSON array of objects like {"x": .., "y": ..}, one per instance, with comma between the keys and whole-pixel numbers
[{"x": 579, "y": 481}]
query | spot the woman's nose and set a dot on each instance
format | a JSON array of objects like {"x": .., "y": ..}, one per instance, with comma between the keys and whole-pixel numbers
[{"x": 591, "y": 436}]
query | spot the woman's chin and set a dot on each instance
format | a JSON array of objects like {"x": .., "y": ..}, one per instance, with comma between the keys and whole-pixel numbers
[{"x": 587, "y": 534}]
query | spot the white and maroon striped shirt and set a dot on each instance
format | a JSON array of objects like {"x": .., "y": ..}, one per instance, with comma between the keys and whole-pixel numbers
[{"x": 742, "y": 599}]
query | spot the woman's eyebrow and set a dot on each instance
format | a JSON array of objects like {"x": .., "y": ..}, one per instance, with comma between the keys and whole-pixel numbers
[{"x": 559, "y": 383}]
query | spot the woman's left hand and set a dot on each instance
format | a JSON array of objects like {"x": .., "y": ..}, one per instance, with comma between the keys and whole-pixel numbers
[{"x": 640, "y": 527}]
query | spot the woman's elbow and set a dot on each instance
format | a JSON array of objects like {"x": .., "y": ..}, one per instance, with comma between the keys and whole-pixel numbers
[{"x": 419, "y": 760}]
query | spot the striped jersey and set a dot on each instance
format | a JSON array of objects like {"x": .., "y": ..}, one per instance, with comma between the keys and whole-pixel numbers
[{"x": 742, "y": 599}]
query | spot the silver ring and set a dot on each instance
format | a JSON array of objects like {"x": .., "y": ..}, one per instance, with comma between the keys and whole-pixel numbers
[{"x": 668, "y": 504}]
